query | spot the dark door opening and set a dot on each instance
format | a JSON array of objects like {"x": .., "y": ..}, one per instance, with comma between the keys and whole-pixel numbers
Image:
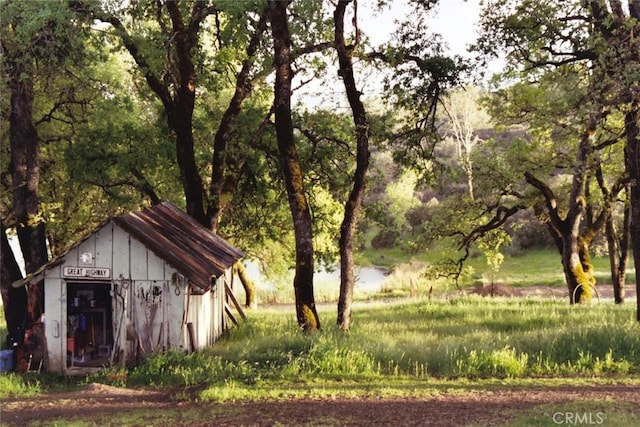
[{"x": 89, "y": 323}]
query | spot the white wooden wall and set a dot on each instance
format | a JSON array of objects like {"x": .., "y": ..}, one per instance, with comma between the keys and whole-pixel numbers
[{"x": 206, "y": 313}]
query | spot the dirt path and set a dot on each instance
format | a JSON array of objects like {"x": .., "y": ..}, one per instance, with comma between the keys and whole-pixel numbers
[{"x": 450, "y": 409}]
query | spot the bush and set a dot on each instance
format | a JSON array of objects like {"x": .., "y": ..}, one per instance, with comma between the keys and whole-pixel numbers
[
  {"x": 419, "y": 215},
  {"x": 526, "y": 232},
  {"x": 385, "y": 239}
]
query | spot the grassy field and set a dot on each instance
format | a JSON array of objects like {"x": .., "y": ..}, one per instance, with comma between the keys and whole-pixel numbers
[
  {"x": 408, "y": 276},
  {"x": 462, "y": 337},
  {"x": 399, "y": 349},
  {"x": 543, "y": 267},
  {"x": 467, "y": 337}
]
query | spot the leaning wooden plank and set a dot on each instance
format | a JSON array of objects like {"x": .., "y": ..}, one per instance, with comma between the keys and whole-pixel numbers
[
  {"x": 227, "y": 309},
  {"x": 234, "y": 301}
]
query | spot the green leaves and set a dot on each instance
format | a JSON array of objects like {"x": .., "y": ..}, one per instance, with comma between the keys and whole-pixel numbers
[
  {"x": 43, "y": 31},
  {"x": 534, "y": 32}
]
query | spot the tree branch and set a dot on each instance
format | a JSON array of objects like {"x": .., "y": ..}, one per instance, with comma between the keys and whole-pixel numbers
[
  {"x": 145, "y": 186},
  {"x": 313, "y": 48},
  {"x": 155, "y": 83},
  {"x": 549, "y": 197},
  {"x": 502, "y": 214}
]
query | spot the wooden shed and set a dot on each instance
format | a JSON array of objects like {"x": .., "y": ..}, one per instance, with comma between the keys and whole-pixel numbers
[{"x": 142, "y": 282}]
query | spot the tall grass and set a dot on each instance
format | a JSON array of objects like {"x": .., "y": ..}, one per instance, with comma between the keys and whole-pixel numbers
[{"x": 467, "y": 337}]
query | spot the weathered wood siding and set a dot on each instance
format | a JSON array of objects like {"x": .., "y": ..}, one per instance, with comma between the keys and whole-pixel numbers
[
  {"x": 206, "y": 313},
  {"x": 154, "y": 301}
]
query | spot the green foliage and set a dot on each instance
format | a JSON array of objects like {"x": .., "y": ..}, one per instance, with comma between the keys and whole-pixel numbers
[
  {"x": 12, "y": 384},
  {"x": 400, "y": 198},
  {"x": 56, "y": 51},
  {"x": 327, "y": 213},
  {"x": 258, "y": 220},
  {"x": 587, "y": 363},
  {"x": 40, "y": 31},
  {"x": 122, "y": 148},
  {"x": 174, "y": 368},
  {"x": 552, "y": 88},
  {"x": 385, "y": 239},
  {"x": 328, "y": 360},
  {"x": 536, "y": 28},
  {"x": 29, "y": 384}
]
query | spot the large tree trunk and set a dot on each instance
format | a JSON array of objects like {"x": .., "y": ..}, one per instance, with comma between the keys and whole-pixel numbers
[
  {"x": 189, "y": 174},
  {"x": 578, "y": 270},
  {"x": 574, "y": 247},
  {"x": 25, "y": 160},
  {"x": 222, "y": 184},
  {"x": 180, "y": 114},
  {"x": 352, "y": 207},
  {"x": 574, "y": 253},
  {"x": 303, "y": 281},
  {"x": 632, "y": 158},
  {"x": 618, "y": 245},
  {"x": 25, "y": 306},
  {"x": 617, "y": 242},
  {"x": 251, "y": 299}
]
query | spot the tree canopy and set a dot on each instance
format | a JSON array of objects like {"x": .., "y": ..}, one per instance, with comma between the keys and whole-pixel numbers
[{"x": 109, "y": 106}]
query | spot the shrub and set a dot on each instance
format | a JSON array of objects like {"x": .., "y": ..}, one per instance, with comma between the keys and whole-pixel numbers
[
  {"x": 385, "y": 239},
  {"x": 526, "y": 232},
  {"x": 419, "y": 215}
]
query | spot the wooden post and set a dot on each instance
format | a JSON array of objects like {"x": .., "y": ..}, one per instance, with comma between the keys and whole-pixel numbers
[{"x": 192, "y": 337}]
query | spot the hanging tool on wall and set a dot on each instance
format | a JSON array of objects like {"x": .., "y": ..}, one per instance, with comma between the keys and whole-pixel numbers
[{"x": 120, "y": 292}]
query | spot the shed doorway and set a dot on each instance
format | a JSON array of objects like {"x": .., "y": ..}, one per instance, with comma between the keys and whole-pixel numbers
[{"x": 89, "y": 324}]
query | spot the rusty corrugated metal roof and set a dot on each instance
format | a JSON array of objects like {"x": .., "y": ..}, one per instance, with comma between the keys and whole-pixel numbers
[
  {"x": 180, "y": 240},
  {"x": 174, "y": 236}
]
